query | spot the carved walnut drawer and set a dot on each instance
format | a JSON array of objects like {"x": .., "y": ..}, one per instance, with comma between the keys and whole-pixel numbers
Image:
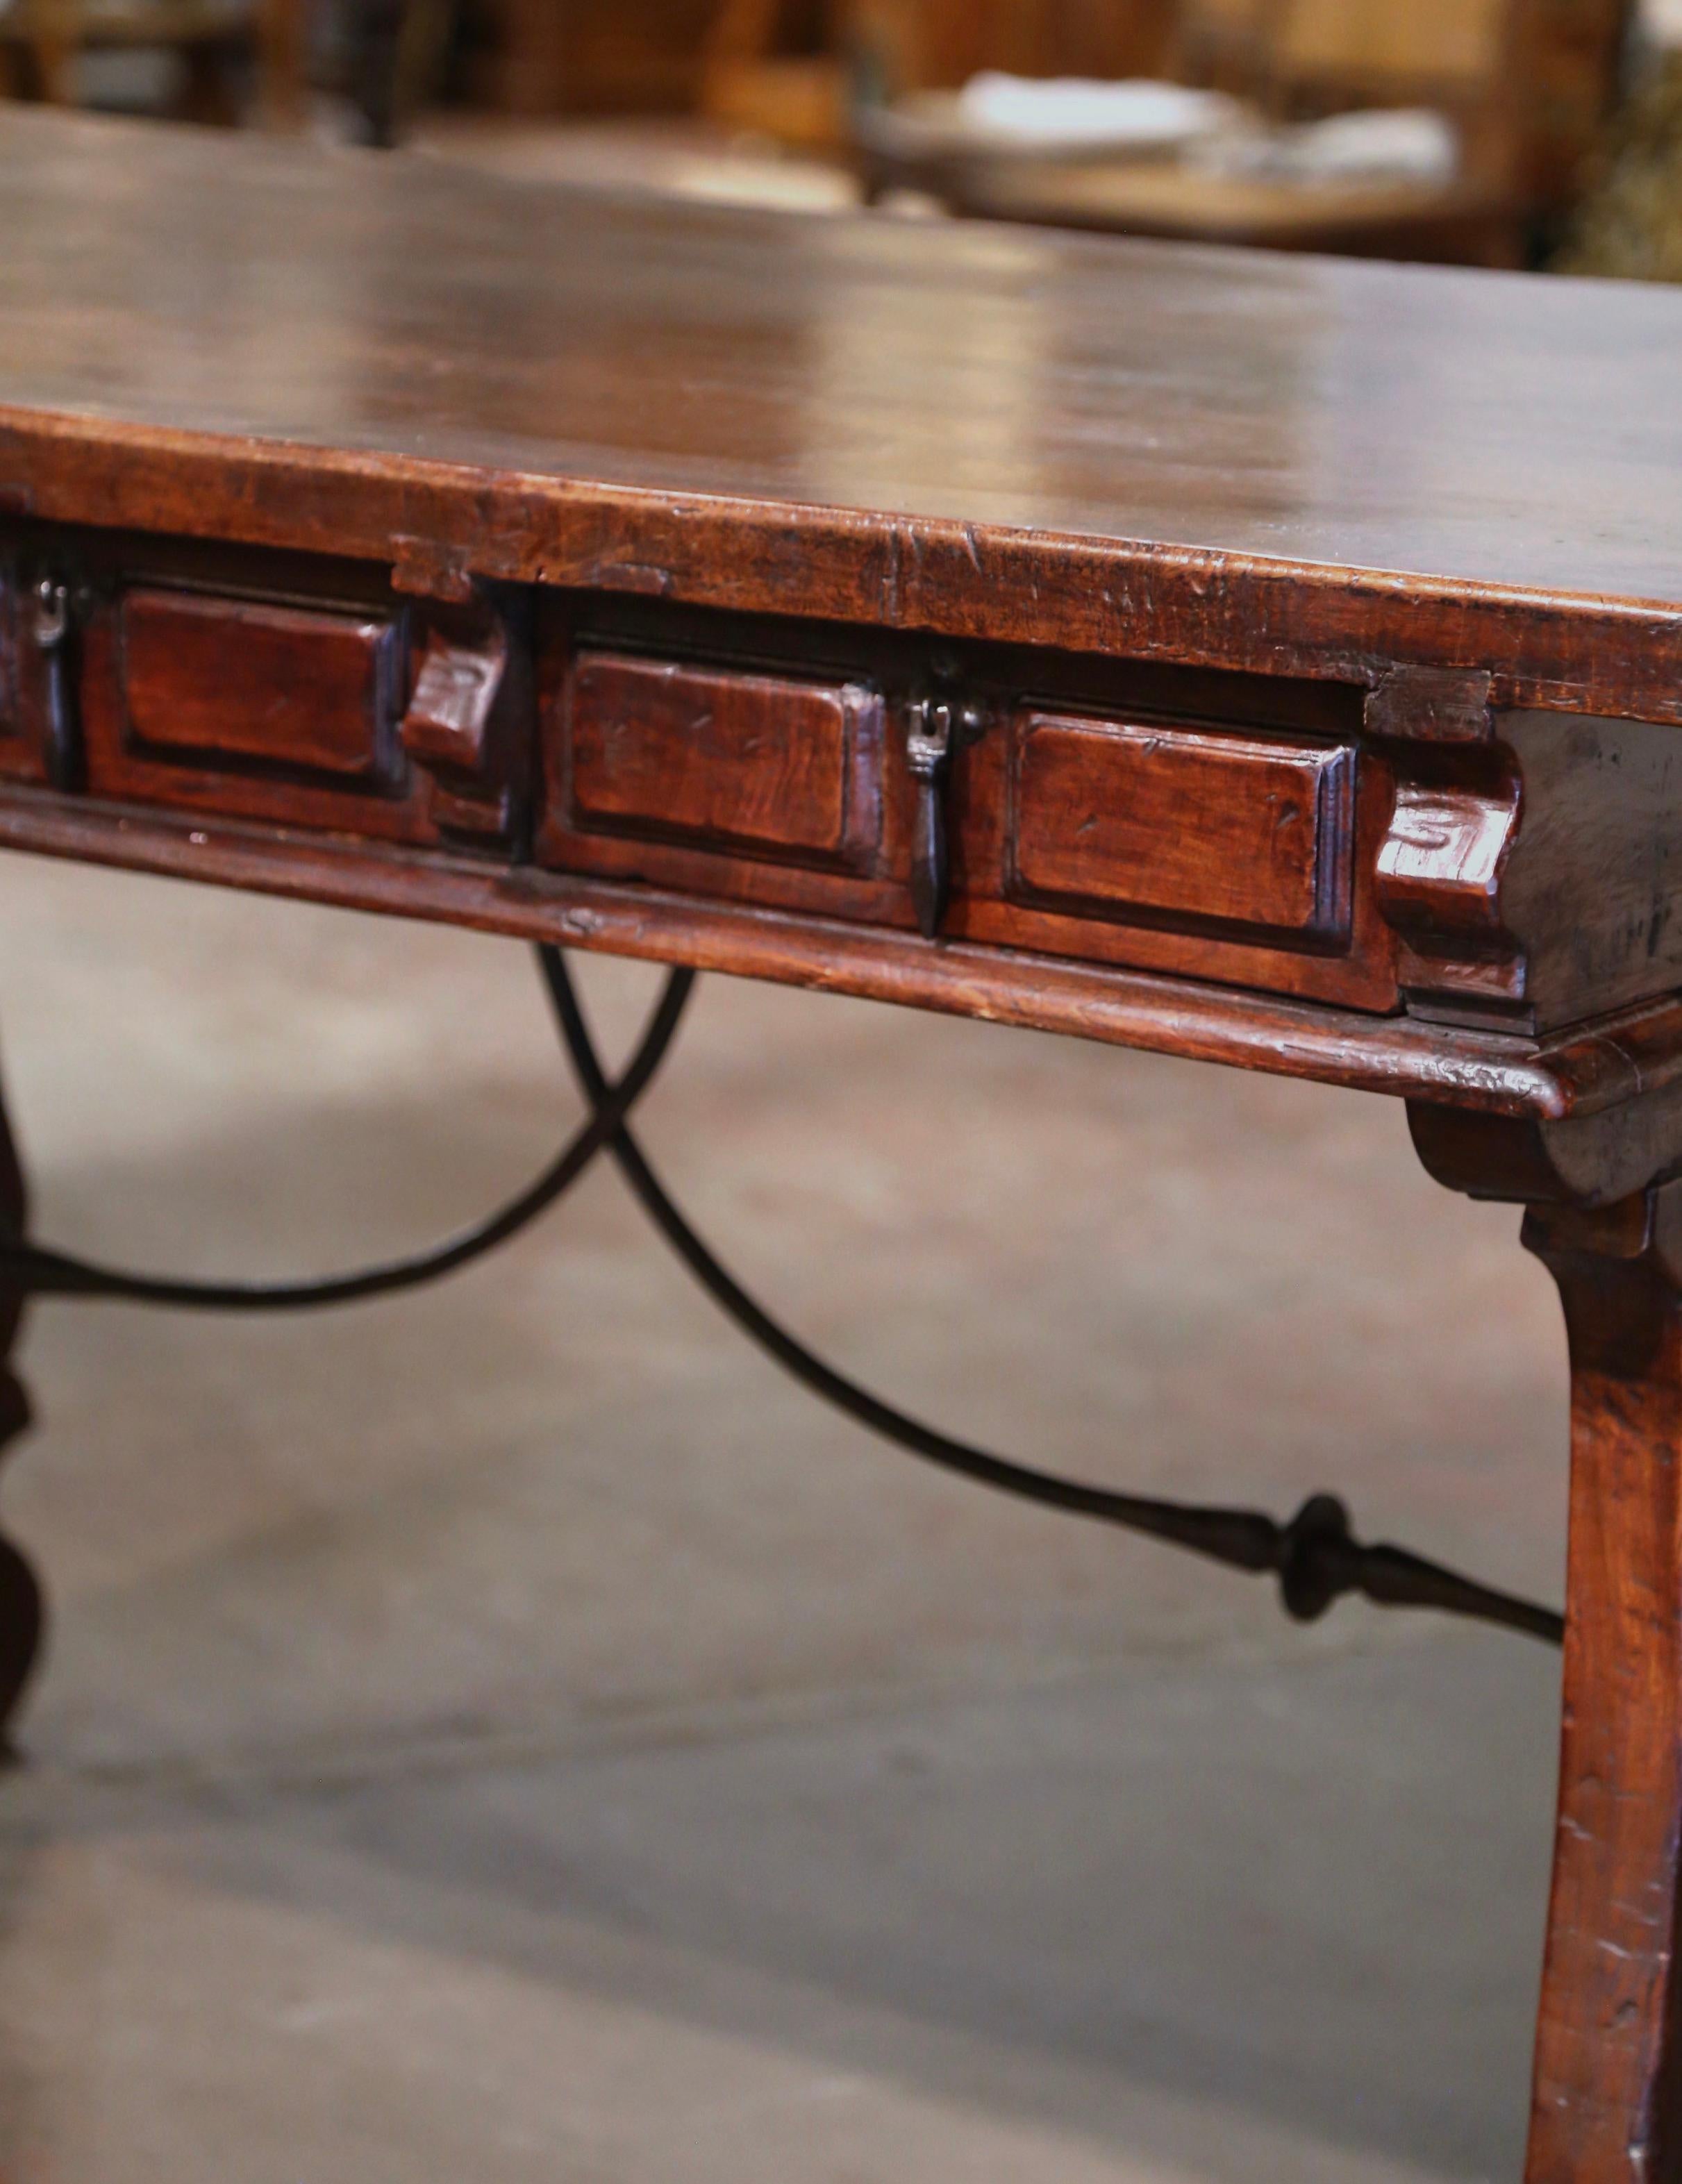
[
  {"x": 1225, "y": 826},
  {"x": 1400, "y": 846},
  {"x": 268, "y": 688}
]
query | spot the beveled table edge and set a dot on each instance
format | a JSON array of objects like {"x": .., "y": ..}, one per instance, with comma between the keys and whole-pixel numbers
[
  {"x": 1577, "y": 1074},
  {"x": 445, "y": 523}
]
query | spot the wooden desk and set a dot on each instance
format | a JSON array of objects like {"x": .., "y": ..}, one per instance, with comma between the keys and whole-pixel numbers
[
  {"x": 1432, "y": 223},
  {"x": 1308, "y": 638}
]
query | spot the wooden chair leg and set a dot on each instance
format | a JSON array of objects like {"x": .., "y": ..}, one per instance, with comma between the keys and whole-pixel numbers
[
  {"x": 21, "y": 1617},
  {"x": 54, "y": 30},
  {"x": 282, "y": 63},
  {"x": 1607, "y": 2100}
]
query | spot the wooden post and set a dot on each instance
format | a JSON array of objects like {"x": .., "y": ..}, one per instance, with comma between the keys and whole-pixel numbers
[
  {"x": 1607, "y": 2096},
  {"x": 20, "y": 1604}
]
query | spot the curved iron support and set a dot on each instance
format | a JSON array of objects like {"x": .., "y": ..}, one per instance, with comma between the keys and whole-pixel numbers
[
  {"x": 37, "y": 1270},
  {"x": 1315, "y": 1556}
]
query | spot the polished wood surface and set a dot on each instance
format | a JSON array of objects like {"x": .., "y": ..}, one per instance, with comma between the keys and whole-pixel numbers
[
  {"x": 1302, "y": 779},
  {"x": 251, "y": 698},
  {"x": 288, "y": 345},
  {"x": 338, "y": 300}
]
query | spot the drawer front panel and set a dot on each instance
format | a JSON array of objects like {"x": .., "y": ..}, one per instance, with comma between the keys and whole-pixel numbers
[
  {"x": 301, "y": 689},
  {"x": 1178, "y": 825},
  {"x": 302, "y": 693},
  {"x": 1104, "y": 811},
  {"x": 734, "y": 778},
  {"x": 760, "y": 764}
]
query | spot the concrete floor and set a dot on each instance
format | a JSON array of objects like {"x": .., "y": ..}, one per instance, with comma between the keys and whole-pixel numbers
[{"x": 510, "y": 1734}]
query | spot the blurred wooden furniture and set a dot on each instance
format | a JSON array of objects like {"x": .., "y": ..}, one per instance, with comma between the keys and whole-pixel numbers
[
  {"x": 789, "y": 70},
  {"x": 1276, "y": 663},
  {"x": 1457, "y": 223},
  {"x": 1526, "y": 84},
  {"x": 753, "y": 82},
  {"x": 397, "y": 62},
  {"x": 927, "y": 45},
  {"x": 41, "y": 41},
  {"x": 1227, "y": 44},
  {"x": 580, "y": 56},
  {"x": 678, "y": 155},
  {"x": 1629, "y": 226}
]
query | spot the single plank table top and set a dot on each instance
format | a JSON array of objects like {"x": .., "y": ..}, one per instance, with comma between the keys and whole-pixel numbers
[{"x": 528, "y": 357}]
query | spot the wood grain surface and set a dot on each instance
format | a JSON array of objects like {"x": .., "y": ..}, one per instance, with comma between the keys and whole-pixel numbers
[
  {"x": 1229, "y": 828},
  {"x": 227, "y": 677},
  {"x": 778, "y": 764},
  {"x": 1177, "y": 452}
]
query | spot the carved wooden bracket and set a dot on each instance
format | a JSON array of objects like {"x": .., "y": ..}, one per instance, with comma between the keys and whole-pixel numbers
[
  {"x": 447, "y": 723},
  {"x": 1439, "y": 884},
  {"x": 1532, "y": 868},
  {"x": 1440, "y": 866},
  {"x": 1585, "y": 1160},
  {"x": 452, "y": 729}
]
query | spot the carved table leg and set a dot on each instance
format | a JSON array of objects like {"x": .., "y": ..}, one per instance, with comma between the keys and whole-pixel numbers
[
  {"x": 1607, "y": 2100},
  {"x": 1607, "y": 2097},
  {"x": 20, "y": 1604}
]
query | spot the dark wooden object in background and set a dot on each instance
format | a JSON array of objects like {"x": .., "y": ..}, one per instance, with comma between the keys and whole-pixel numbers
[
  {"x": 1526, "y": 84},
  {"x": 20, "y": 1605},
  {"x": 1279, "y": 663}
]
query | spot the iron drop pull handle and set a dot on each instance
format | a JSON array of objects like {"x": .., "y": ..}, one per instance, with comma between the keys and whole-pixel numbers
[
  {"x": 935, "y": 728},
  {"x": 53, "y": 631}
]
